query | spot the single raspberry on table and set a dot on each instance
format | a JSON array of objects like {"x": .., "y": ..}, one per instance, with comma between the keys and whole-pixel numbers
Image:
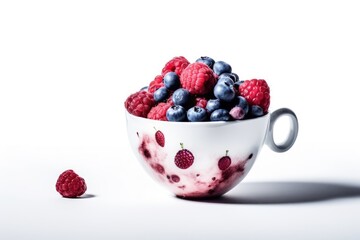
[
  {"x": 70, "y": 185},
  {"x": 198, "y": 78},
  {"x": 177, "y": 65},
  {"x": 156, "y": 84},
  {"x": 140, "y": 103},
  {"x": 158, "y": 112},
  {"x": 184, "y": 158},
  {"x": 256, "y": 92}
]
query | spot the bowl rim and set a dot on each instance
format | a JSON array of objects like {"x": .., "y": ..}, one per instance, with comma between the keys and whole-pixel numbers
[{"x": 211, "y": 123}]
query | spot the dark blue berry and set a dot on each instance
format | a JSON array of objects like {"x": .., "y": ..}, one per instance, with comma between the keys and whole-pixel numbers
[
  {"x": 256, "y": 111},
  {"x": 221, "y": 67},
  {"x": 213, "y": 104},
  {"x": 171, "y": 81},
  {"x": 224, "y": 91},
  {"x": 196, "y": 114},
  {"x": 240, "y": 101},
  {"x": 226, "y": 79},
  {"x": 181, "y": 97},
  {"x": 206, "y": 60},
  {"x": 232, "y": 75},
  {"x": 220, "y": 115},
  {"x": 161, "y": 94},
  {"x": 176, "y": 113},
  {"x": 235, "y": 76},
  {"x": 238, "y": 83}
]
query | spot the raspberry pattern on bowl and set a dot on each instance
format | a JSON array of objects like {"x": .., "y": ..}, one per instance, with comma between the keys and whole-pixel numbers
[{"x": 185, "y": 181}]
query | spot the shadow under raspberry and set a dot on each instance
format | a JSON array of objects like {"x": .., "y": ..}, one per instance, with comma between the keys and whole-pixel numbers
[
  {"x": 86, "y": 196},
  {"x": 285, "y": 192}
]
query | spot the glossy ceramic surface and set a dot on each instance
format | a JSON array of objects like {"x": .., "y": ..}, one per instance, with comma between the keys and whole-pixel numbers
[{"x": 203, "y": 159}]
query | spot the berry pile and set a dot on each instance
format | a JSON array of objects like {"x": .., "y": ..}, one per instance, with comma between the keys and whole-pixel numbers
[{"x": 206, "y": 90}]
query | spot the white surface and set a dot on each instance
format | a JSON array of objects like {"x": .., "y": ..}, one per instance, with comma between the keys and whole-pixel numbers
[{"x": 66, "y": 67}]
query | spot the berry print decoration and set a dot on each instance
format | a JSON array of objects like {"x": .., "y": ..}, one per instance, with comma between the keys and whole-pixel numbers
[{"x": 184, "y": 158}]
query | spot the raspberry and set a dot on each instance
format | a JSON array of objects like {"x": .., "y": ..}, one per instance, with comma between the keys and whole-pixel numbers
[
  {"x": 198, "y": 78},
  {"x": 170, "y": 100},
  {"x": 160, "y": 138},
  {"x": 156, "y": 84},
  {"x": 184, "y": 158},
  {"x": 177, "y": 65},
  {"x": 159, "y": 111},
  {"x": 70, "y": 185},
  {"x": 201, "y": 102},
  {"x": 256, "y": 92},
  {"x": 140, "y": 103}
]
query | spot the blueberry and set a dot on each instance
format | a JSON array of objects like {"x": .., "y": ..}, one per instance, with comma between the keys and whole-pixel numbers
[
  {"x": 221, "y": 67},
  {"x": 181, "y": 97},
  {"x": 161, "y": 94},
  {"x": 224, "y": 91},
  {"x": 256, "y": 111},
  {"x": 220, "y": 115},
  {"x": 228, "y": 105},
  {"x": 196, "y": 114},
  {"x": 238, "y": 83},
  {"x": 240, "y": 101},
  {"x": 171, "y": 81},
  {"x": 212, "y": 105},
  {"x": 226, "y": 79},
  {"x": 207, "y": 60},
  {"x": 235, "y": 76},
  {"x": 176, "y": 113},
  {"x": 232, "y": 75}
]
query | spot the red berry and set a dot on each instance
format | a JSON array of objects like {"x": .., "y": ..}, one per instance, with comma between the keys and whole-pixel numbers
[
  {"x": 201, "y": 102},
  {"x": 70, "y": 185},
  {"x": 184, "y": 158},
  {"x": 170, "y": 101},
  {"x": 177, "y": 65},
  {"x": 158, "y": 112},
  {"x": 140, "y": 103},
  {"x": 156, "y": 84},
  {"x": 256, "y": 92},
  {"x": 198, "y": 78},
  {"x": 224, "y": 162},
  {"x": 160, "y": 138}
]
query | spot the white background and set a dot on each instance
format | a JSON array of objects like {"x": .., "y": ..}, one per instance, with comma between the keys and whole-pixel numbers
[{"x": 66, "y": 68}]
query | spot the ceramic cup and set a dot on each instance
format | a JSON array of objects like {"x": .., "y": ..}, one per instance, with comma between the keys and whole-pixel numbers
[{"x": 204, "y": 159}]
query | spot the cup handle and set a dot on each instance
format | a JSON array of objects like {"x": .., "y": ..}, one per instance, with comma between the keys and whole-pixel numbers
[{"x": 292, "y": 135}]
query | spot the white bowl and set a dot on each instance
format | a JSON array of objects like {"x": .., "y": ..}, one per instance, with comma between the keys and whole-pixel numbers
[{"x": 204, "y": 159}]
